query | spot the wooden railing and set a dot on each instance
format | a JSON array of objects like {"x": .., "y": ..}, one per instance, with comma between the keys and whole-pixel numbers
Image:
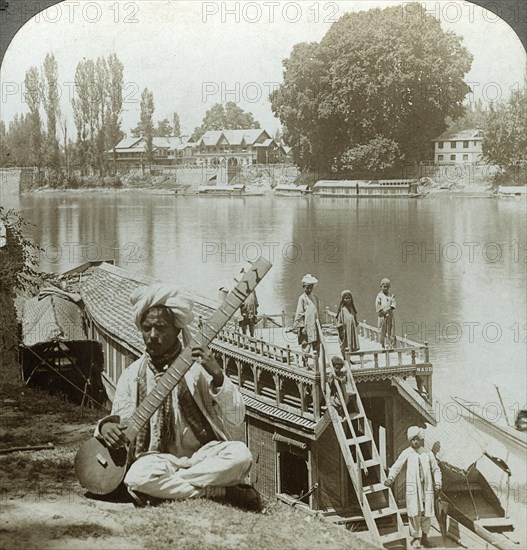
[
  {"x": 285, "y": 356},
  {"x": 309, "y": 370}
]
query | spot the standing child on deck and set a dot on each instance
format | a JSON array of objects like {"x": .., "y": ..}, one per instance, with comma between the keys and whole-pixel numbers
[
  {"x": 347, "y": 323},
  {"x": 422, "y": 476},
  {"x": 307, "y": 315},
  {"x": 385, "y": 308}
]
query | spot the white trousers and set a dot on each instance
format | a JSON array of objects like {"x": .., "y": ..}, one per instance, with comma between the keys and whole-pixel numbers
[
  {"x": 165, "y": 476},
  {"x": 418, "y": 523}
]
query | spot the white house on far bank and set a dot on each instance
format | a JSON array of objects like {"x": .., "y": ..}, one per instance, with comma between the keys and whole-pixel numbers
[{"x": 458, "y": 147}]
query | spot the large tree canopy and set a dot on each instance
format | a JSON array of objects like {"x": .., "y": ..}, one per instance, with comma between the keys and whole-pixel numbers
[
  {"x": 505, "y": 133},
  {"x": 373, "y": 92},
  {"x": 228, "y": 117}
]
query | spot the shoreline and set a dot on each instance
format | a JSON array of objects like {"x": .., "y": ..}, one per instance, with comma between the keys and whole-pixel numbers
[{"x": 433, "y": 193}]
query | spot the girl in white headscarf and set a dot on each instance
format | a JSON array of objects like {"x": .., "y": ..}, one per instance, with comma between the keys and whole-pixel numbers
[{"x": 347, "y": 323}]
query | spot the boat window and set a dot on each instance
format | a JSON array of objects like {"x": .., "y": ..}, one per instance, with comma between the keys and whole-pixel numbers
[
  {"x": 440, "y": 145},
  {"x": 452, "y": 145},
  {"x": 452, "y": 157},
  {"x": 292, "y": 464},
  {"x": 465, "y": 144}
]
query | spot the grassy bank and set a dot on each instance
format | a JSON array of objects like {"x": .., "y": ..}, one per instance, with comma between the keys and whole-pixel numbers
[{"x": 42, "y": 505}]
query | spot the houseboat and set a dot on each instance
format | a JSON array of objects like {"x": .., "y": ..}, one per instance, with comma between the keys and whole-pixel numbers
[
  {"x": 317, "y": 443},
  {"x": 512, "y": 192},
  {"x": 386, "y": 189},
  {"x": 236, "y": 190},
  {"x": 291, "y": 190}
]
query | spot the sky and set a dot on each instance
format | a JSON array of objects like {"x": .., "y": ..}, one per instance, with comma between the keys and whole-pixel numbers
[{"x": 194, "y": 54}]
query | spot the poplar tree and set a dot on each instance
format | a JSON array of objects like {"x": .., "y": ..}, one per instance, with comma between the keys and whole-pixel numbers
[
  {"x": 33, "y": 96},
  {"x": 52, "y": 109}
]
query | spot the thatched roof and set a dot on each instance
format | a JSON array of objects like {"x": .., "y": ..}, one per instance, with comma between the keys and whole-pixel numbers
[{"x": 52, "y": 316}]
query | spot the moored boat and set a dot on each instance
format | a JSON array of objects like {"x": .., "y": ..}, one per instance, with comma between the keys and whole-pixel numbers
[
  {"x": 505, "y": 433},
  {"x": 291, "y": 190},
  {"x": 386, "y": 189}
]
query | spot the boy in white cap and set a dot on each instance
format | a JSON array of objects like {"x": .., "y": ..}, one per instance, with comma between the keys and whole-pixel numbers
[
  {"x": 307, "y": 315},
  {"x": 422, "y": 476},
  {"x": 384, "y": 306}
]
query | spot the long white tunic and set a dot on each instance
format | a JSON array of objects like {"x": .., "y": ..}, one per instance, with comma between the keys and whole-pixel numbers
[
  {"x": 422, "y": 472},
  {"x": 307, "y": 314},
  {"x": 223, "y": 407}
]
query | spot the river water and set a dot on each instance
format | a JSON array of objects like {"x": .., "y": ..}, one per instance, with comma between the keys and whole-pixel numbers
[{"x": 457, "y": 265}]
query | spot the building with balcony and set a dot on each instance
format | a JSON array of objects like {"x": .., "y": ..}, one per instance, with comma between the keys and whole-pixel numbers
[
  {"x": 131, "y": 151},
  {"x": 238, "y": 147}
]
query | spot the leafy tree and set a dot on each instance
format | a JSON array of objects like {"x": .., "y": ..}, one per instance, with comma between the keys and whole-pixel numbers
[
  {"x": 115, "y": 102},
  {"x": 4, "y": 148},
  {"x": 86, "y": 113},
  {"x": 377, "y": 155},
  {"x": 33, "y": 85},
  {"x": 18, "y": 141},
  {"x": 381, "y": 76},
  {"x": 230, "y": 117},
  {"x": 505, "y": 134},
  {"x": 97, "y": 110},
  {"x": 164, "y": 129},
  {"x": 147, "y": 112},
  {"x": 176, "y": 126},
  {"x": 473, "y": 117},
  {"x": 52, "y": 109}
]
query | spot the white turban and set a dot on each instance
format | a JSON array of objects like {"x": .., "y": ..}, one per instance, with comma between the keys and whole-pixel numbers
[
  {"x": 415, "y": 431},
  {"x": 309, "y": 280},
  {"x": 178, "y": 301}
]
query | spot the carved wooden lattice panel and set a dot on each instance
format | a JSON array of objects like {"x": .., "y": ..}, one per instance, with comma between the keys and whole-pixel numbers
[{"x": 262, "y": 446}]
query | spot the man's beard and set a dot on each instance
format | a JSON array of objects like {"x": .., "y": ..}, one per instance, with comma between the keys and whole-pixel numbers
[{"x": 167, "y": 358}]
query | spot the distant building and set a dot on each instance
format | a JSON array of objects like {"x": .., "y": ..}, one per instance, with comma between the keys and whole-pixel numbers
[
  {"x": 238, "y": 147},
  {"x": 166, "y": 150},
  {"x": 458, "y": 147}
]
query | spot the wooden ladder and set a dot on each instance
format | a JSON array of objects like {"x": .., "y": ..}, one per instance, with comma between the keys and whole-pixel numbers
[{"x": 362, "y": 458}]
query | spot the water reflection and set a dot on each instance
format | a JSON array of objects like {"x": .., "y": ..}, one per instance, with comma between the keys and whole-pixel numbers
[{"x": 451, "y": 288}]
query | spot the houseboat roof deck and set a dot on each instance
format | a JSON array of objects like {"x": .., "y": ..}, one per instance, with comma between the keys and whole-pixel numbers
[{"x": 258, "y": 365}]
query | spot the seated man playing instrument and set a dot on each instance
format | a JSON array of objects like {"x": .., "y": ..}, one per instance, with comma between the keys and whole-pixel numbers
[{"x": 184, "y": 450}]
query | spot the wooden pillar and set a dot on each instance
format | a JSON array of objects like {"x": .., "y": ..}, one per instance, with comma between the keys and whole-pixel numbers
[
  {"x": 301, "y": 391},
  {"x": 278, "y": 389},
  {"x": 239, "y": 369},
  {"x": 316, "y": 396}
]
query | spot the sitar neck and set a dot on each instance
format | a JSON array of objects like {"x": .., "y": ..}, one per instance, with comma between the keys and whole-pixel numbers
[{"x": 208, "y": 331}]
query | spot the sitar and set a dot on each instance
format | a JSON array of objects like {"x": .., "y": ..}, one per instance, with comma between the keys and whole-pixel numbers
[{"x": 101, "y": 469}]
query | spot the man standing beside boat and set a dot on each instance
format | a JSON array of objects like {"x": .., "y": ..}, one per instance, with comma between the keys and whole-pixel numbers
[
  {"x": 423, "y": 478},
  {"x": 385, "y": 307}
]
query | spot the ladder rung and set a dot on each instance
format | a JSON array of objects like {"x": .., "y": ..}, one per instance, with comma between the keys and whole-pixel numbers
[
  {"x": 383, "y": 513},
  {"x": 392, "y": 537},
  {"x": 359, "y": 439},
  {"x": 371, "y": 462},
  {"x": 355, "y": 416},
  {"x": 375, "y": 488}
]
